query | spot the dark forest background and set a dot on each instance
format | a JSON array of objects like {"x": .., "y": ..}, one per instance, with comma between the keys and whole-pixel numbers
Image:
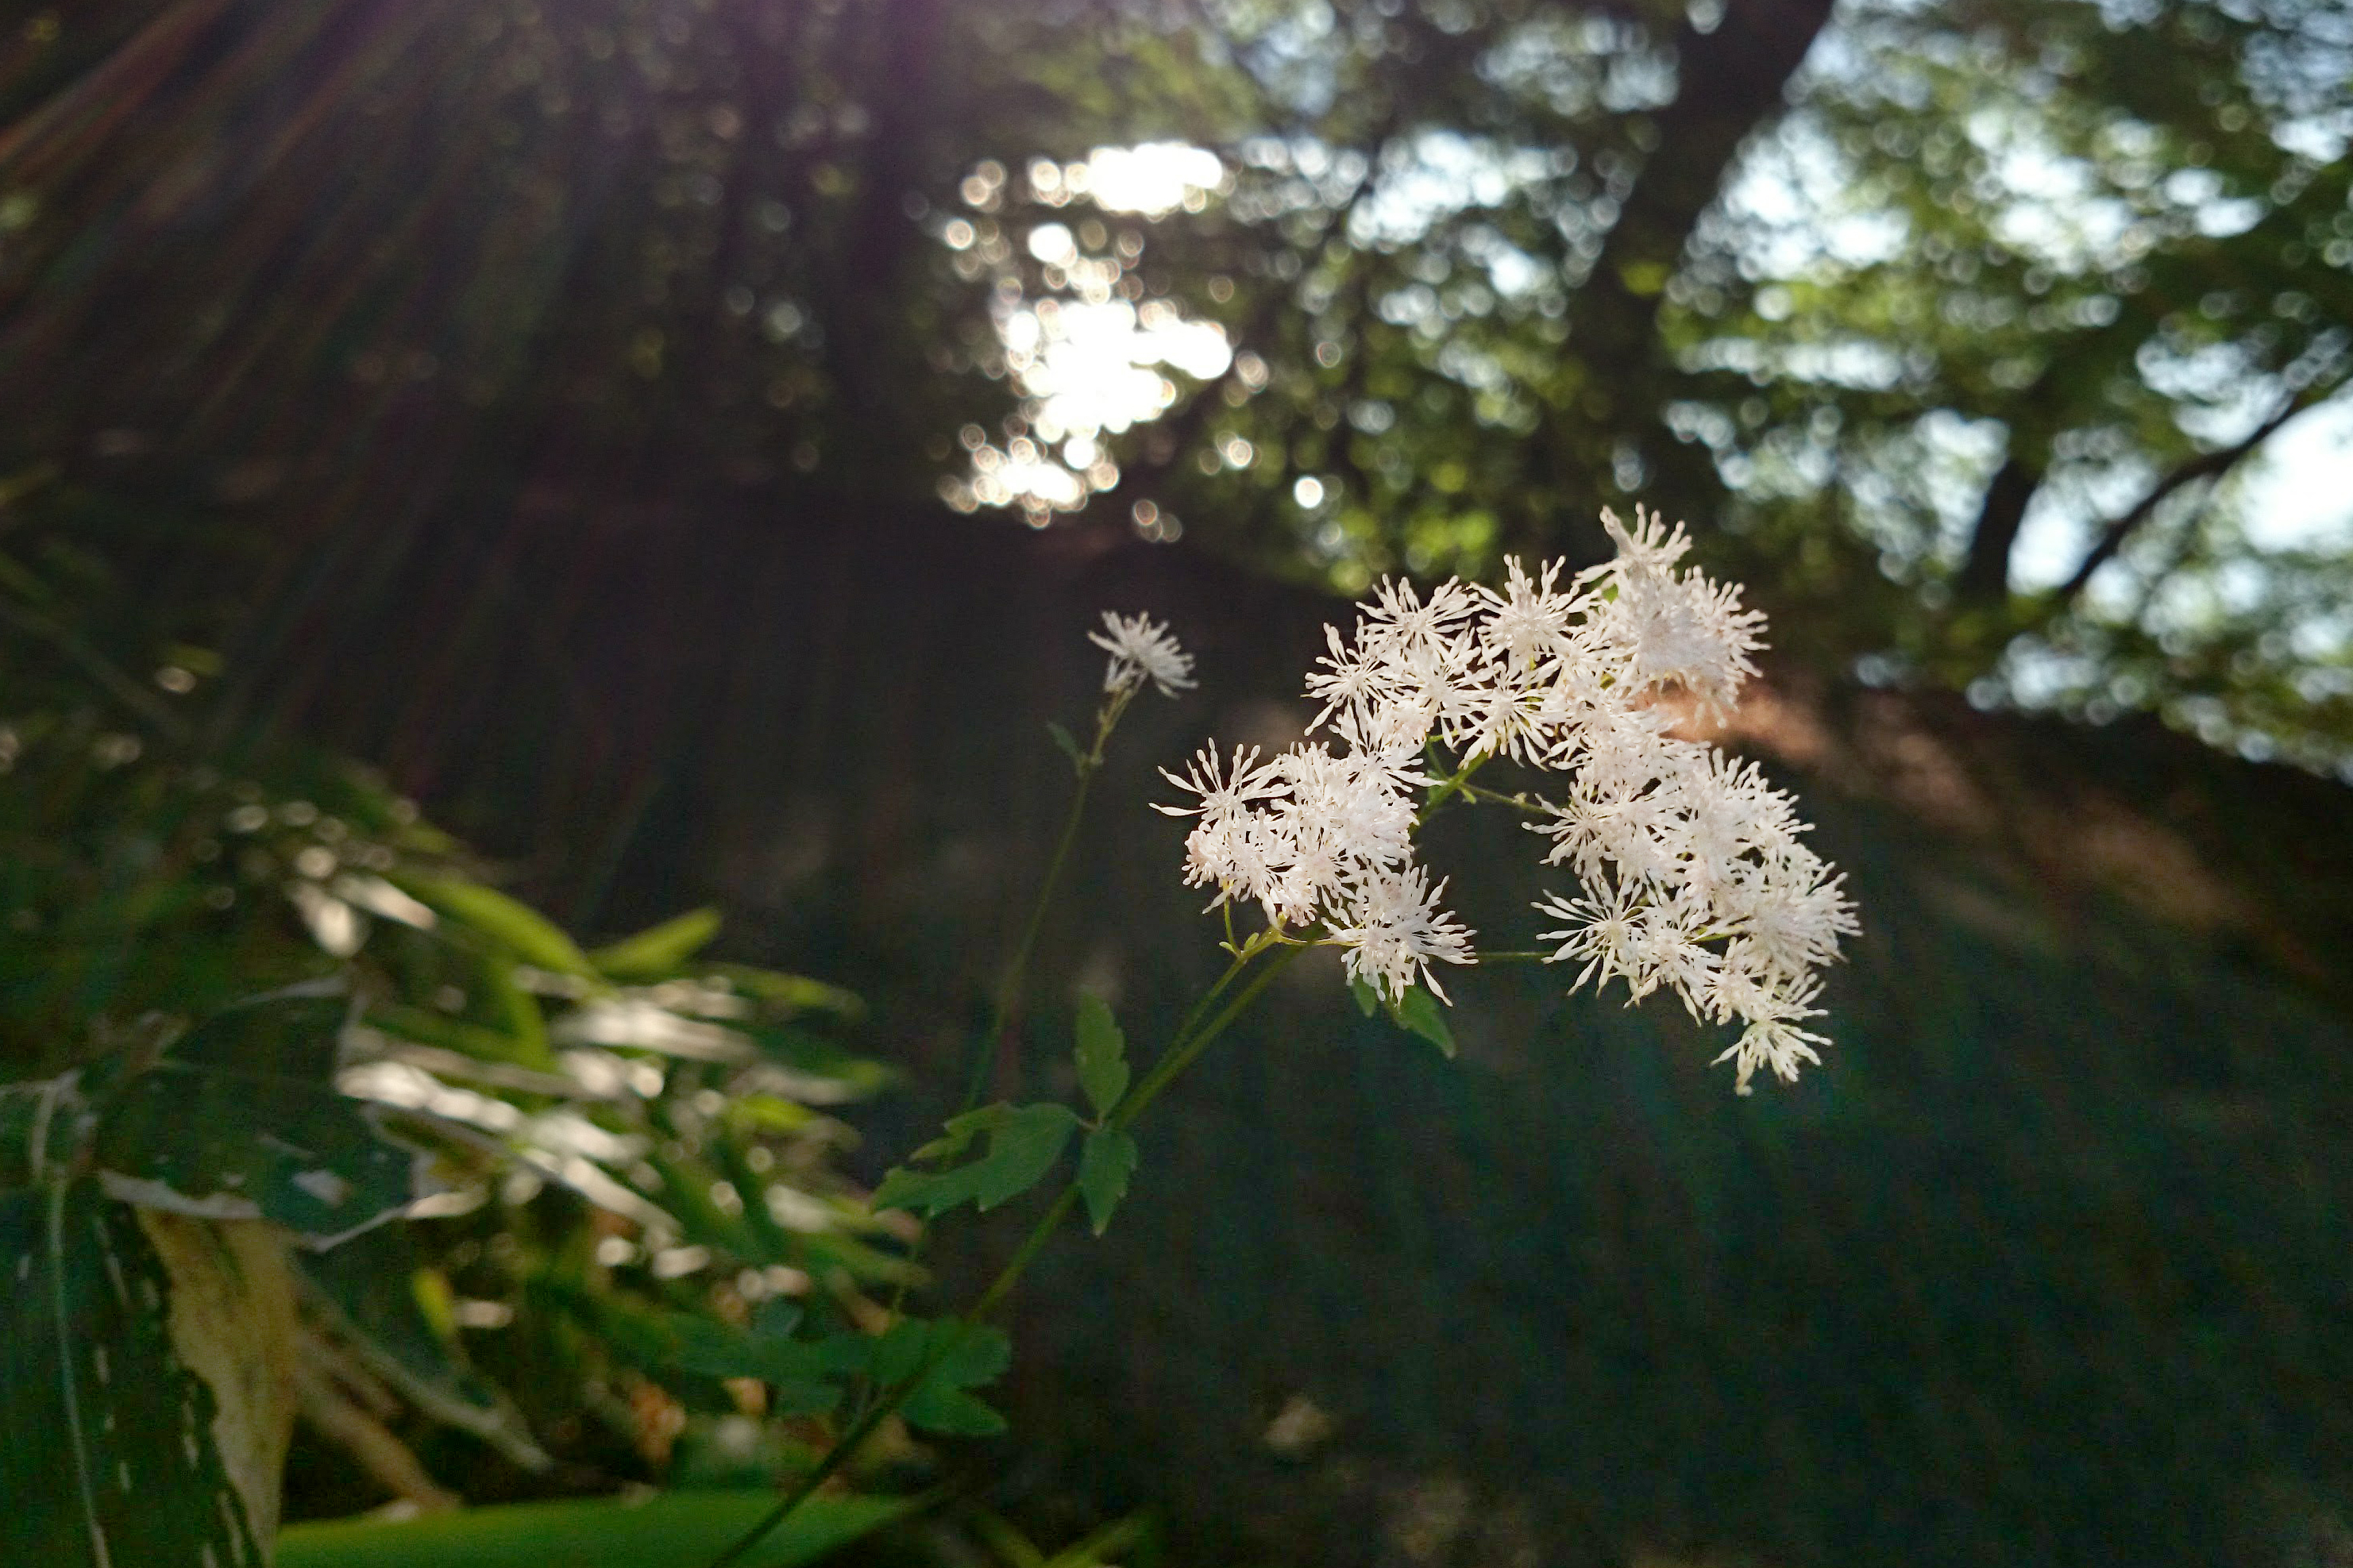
[{"x": 622, "y": 423}]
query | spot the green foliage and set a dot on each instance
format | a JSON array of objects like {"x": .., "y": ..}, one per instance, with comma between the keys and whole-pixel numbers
[
  {"x": 248, "y": 1146},
  {"x": 659, "y": 951},
  {"x": 682, "y": 1529},
  {"x": 1417, "y": 1013},
  {"x": 952, "y": 1358},
  {"x": 111, "y": 1457},
  {"x": 267, "y": 990},
  {"x": 1101, "y": 1056},
  {"x": 1106, "y": 1160},
  {"x": 523, "y": 931},
  {"x": 1025, "y": 1142}
]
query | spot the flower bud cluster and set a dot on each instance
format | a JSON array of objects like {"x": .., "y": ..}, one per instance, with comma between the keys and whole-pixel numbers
[{"x": 1693, "y": 875}]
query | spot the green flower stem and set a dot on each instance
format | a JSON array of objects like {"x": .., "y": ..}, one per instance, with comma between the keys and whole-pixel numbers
[
  {"x": 1017, "y": 967},
  {"x": 1447, "y": 787},
  {"x": 1517, "y": 802},
  {"x": 1183, "y": 1050}
]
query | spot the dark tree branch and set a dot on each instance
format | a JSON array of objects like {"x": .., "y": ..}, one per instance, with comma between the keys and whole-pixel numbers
[
  {"x": 2210, "y": 465},
  {"x": 1731, "y": 81},
  {"x": 1984, "y": 577}
]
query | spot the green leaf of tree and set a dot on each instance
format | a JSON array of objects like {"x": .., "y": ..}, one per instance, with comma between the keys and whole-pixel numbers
[
  {"x": 1101, "y": 1056},
  {"x": 1106, "y": 1161},
  {"x": 1021, "y": 1150}
]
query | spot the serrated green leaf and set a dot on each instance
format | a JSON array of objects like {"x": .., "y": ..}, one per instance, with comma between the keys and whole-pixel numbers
[
  {"x": 658, "y": 951},
  {"x": 514, "y": 925},
  {"x": 1368, "y": 997},
  {"x": 1418, "y": 1012},
  {"x": 1106, "y": 1160},
  {"x": 1022, "y": 1148},
  {"x": 110, "y": 1458},
  {"x": 225, "y": 1145},
  {"x": 903, "y": 1188},
  {"x": 1024, "y": 1142},
  {"x": 1101, "y": 1056},
  {"x": 968, "y": 1357}
]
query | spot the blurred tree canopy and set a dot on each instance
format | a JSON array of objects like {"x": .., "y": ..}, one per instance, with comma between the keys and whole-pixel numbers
[{"x": 1913, "y": 299}]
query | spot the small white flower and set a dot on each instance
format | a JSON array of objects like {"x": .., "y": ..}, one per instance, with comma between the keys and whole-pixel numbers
[
  {"x": 1141, "y": 649},
  {"x": 1396, "y": 930},
  {"x": 1774, "y": 1042}
]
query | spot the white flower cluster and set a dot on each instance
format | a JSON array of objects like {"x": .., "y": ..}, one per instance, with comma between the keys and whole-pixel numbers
[
  {"x": 1693, "y": 875},
  {"x": 1141, "y": 650}
]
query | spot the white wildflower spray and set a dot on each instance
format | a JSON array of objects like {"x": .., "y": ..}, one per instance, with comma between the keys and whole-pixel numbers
[{"x": 1693, "y": 878}]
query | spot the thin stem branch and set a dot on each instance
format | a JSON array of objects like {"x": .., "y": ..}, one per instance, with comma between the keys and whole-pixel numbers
[
  {"x": 1516, "y": 802},
  {"x": 1017, "y": 967}
]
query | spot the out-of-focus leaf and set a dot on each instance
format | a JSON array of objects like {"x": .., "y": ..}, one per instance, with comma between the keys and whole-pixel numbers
[
  {"x": 514, "y": 925},
  {"x": 1106, "y": 1160},
  {"x": 793, "y": 993},
  {"x": 798, "y": 1372},
  {"x": 428, "y": 1027},
  {"x": 1368, "y": 997},
  {"x": 372, "y": 1292},
  {"x": 686, "y": 1192},
  {"x": 224, "y": 1145},
  {"x": 527, "y": 1024},
  {"x": 682, "y": 1530},
  {"x": 1101, "y": 1056},
  {"x": 658, "y": 951},
  {"x": 109, "y": 1457},
  {"x": 289, "y": 1033}
]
